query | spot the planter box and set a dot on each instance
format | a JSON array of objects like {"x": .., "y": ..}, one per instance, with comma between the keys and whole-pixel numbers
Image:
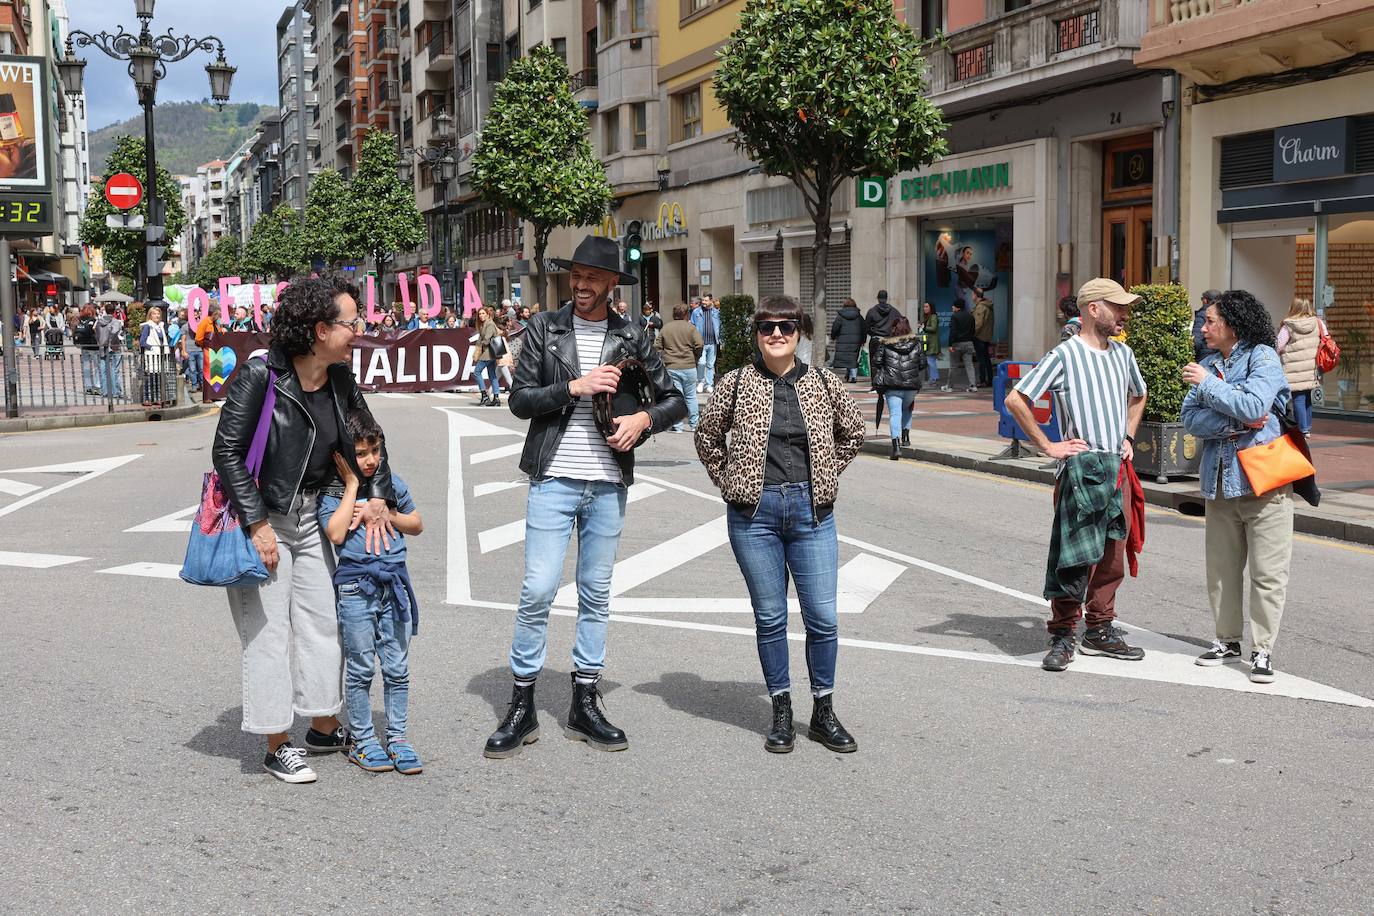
[{"x": 1165, "y": 450}]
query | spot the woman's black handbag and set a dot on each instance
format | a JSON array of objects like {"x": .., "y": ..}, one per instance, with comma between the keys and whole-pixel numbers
[
  {"x": 496, "y": 347},
  {"x": 636, "y": 393}
]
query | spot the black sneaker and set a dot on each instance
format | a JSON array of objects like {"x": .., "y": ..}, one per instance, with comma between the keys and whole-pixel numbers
[
  {"x": 1060, "y": 654},
  {"x": 1220, "y": 654},
  {"x": 317, "y": 742},
  {"x": 288, "y": 765},
  {"x": 1109, "y": 641},
  {"x": 1261, "y": 668}
]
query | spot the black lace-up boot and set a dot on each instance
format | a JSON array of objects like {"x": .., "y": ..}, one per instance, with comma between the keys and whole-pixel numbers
[
  {"x": 780, "y": 736},
  {"x": 586, "y": 722},
  {"x": 519, "y": 728},
  {"x": 827, "y": 729},
  {"x": 906, "y": 438}
]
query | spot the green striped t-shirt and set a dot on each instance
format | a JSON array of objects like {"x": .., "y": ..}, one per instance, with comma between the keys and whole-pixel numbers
[{"x": 1091, "y": 387}]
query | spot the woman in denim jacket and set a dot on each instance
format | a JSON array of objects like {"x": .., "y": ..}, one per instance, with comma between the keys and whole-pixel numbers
[{"x": 1238, "y": 395}]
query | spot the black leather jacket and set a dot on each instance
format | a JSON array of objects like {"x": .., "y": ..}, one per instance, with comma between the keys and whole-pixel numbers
[
  {"x": 548, "y": 362},
  {"x": 289, "y": 439}
]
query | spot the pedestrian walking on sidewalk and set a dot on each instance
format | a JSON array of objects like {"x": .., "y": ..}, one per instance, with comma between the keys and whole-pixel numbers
[
  {"x": 1098, "y": 511},
  {"x": 680, "y": 344},
  {"x": 484, "y": 366},
  {"x": 1237, "y": 396},
  {"x": 705, "y": 317},
  {"x": 109, "y": 337},
  {"x": 84, "y": 337},
  {"x": 1297, "y": 343},
  {"x": 847, "y": 332},
  {"x": 791, "y": 430},
  {"x": 288, "y": 627},
  {"x": 578, "y": 480},
  {"x": 984, "y": 320},
  {"x": 878, "y": 323},
  {"x": 897, "y": 377},
  {"x": 930, "y": 341},
  {"x": 961, "y": 337}
]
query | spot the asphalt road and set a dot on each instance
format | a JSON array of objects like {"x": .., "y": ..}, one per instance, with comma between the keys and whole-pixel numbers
[{"x": 982, "y": 784}]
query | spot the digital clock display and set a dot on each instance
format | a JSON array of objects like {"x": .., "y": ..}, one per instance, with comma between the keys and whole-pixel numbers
[{"x": 25, "y": 214}]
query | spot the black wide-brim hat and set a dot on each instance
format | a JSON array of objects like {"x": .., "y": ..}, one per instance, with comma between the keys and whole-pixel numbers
[{"x": 601, "y": 253}]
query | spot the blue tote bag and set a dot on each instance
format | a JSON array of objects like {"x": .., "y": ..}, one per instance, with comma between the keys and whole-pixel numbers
[{"x": 220, "y": 551}]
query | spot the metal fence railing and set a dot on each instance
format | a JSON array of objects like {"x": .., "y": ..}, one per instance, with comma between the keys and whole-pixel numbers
[{"x": 71, "y": 379}]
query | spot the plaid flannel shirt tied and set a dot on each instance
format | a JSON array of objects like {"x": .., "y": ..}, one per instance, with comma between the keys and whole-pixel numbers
[{"x": 1088, "y": 513}]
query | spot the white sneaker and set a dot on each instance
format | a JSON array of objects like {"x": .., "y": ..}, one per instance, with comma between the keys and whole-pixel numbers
[
  {"x": 701, "y": 387},
  {"x": 710, "y": 388},
  {"x": 973, "y": 388},
  {"x": 288, "y": 764},
  {"x": 946, "y": 388}
]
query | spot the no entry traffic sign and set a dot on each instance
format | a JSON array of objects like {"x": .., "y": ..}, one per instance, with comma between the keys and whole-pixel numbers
[{"x": 123, "y": 191}]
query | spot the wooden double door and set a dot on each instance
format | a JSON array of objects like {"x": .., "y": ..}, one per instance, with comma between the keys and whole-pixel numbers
[{"x": 1128, "y": 244}]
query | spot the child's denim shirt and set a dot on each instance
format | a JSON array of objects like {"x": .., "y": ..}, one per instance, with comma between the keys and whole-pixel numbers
[{"x": 1239, "y": 390}]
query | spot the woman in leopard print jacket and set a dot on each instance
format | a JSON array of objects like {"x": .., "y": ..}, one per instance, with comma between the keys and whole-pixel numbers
[{"x": 792, "y": 429}]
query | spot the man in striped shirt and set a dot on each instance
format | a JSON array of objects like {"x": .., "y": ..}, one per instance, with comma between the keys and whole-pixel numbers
[
  {"x": 1100, "y": 398},
  {"x": 578, "y": 481}
]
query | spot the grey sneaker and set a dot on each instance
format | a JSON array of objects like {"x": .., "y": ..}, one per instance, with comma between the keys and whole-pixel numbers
[{"x": 1109, "y": 641}]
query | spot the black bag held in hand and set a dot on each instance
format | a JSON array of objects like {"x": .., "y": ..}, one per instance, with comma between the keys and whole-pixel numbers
[
  {"x": 497, "y": 347},
  {"x": 636, "y": 393}
]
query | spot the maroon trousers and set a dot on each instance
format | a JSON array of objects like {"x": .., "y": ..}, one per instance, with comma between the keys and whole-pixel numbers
[{"x": 1100, "y": 583}]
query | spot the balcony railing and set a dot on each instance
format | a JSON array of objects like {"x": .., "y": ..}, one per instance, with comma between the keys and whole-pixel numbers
[
  {"x": 340, "y": 87},
  {"x": 973, "y": 63},
  {"x": 341, "y": 133},
  {"x": 1077, "y": 31},
  {"x": 583, "y": 79},
  {"x": 440, "y": 44}
]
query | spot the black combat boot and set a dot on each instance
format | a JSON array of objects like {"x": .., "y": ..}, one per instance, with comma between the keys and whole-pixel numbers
[
  {"x": 906, "y": 438},
  {"x": 827, "y": 729},
  {"x": 496, "y": 400},
  {"x": 896, "y": 449},
  {"x": 486, "y": 399},
  {"x": 519, "y": 728},
  {"x": 779, "y": 740},
  {"x": 587, "y": 723}
]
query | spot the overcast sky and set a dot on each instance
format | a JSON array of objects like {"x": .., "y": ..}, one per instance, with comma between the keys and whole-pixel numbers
[{"x": 249, "y": 34}]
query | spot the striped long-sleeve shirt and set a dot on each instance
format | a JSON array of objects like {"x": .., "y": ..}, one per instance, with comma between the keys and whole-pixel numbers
[{"x": 1092, "y": 388}]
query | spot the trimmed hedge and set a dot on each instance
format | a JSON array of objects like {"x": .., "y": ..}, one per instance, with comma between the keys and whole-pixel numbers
[
  {"x": 736, "y": 345},
  {"x": 1161, "y": 334}
]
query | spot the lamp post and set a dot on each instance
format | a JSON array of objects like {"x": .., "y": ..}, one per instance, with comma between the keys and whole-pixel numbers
[
  {"x": 148, "y": 56},
  {"x": 439, "y": 158}
]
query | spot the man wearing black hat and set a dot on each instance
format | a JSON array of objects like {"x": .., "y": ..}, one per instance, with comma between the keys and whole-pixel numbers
[{"x": 578, "y": 479}]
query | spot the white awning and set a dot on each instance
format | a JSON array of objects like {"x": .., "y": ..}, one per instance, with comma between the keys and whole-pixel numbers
[{"x": 789, "y": 237}]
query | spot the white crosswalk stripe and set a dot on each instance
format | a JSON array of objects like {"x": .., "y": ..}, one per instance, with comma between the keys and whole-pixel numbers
[{"x": 514, "y": 532}]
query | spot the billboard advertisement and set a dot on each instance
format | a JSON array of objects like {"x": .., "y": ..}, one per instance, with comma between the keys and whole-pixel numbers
[
  {"x": 23, "y": 126},
  {"x": 966, "y": 264}
]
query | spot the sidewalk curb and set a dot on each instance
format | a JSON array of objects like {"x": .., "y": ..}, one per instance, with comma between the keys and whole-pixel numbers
[
  {"x": 81, "y": 421},
  {"x": 1182, "y": 498}
]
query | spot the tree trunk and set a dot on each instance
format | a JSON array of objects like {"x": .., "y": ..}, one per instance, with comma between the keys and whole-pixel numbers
[
  {"x": 820, "y": 254},
  {"x": 541, "y": 244}
]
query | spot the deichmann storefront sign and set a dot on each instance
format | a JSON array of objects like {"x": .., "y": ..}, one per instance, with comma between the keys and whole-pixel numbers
[
  {"x": 958, "y": 181},
  {"x": 423, "y": 360},
  {"x": 1317, "y": 149}
]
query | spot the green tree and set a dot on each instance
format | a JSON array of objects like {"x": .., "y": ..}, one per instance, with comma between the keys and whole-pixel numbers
[
  {"x": 224, "y": 259},
  {"x": 534, "y": 158},
  {"x": 324, "y": 231},
  {"x": 382, "y": 214},
  {"x": 273, "y": 249},
  {"x": 824, "y": 90},
  {"x": 123, "y": 249},
  {"x": 737, "y": 345}
]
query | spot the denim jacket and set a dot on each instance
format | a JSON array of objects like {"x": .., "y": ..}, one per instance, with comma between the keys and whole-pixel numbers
[{"x": 1239, "y": 390}]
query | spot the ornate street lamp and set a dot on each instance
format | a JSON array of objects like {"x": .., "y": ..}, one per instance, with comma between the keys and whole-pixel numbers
[
  {"x": 443, "y": 166},
  {"x": 148, "y": 56}
]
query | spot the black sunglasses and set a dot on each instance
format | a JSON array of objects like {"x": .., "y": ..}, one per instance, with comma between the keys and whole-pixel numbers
[{"x": 769, "y": 328}]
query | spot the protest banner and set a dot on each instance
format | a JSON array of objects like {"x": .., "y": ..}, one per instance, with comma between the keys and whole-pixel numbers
[{"x": 408, "y": 361}]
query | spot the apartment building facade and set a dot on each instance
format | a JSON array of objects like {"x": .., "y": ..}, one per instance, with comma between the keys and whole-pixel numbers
[
  {"x": 298, "y": 99},
  {"x": 1277, "y": 189}
]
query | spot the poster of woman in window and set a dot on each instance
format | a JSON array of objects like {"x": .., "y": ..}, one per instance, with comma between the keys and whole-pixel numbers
[{"x": 969, "y": 265}]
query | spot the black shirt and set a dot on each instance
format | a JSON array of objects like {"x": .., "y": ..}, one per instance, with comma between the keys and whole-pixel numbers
[
  {"x": 320, "y": 470},
  {"x": 789, "y": 460},
  {"x": 961, "y": 327}
]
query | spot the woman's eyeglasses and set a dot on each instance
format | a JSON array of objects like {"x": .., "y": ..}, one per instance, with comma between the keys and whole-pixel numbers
[{"x": 768, "y": 328}]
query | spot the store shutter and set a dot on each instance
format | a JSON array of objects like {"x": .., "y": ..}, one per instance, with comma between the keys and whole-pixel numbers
[
  {"x": 770, "y": 274},
  {"x": 837, "y": 284},
  {"x": 1247, "y": 159}
]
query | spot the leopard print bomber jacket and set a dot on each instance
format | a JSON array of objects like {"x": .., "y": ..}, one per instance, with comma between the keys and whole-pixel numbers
[{"x": 732, "y": 434}]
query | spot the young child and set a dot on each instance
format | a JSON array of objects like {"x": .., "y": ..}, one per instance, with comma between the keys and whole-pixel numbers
[{"x": 377, "y": 609}]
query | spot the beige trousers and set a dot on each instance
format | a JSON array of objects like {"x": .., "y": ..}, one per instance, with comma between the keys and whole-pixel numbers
[{"x": 1256, "y": 531}]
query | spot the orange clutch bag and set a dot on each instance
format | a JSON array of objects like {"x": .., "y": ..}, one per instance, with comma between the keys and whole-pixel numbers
[{"x": 1273, "y": 464}]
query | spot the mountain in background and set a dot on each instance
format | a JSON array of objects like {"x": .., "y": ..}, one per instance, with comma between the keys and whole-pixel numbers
[{"x": 188, "y": 134}]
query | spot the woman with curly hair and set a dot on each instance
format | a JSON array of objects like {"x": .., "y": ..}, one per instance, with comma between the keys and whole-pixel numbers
[
  {"x": 1238, "y": 394},
  {"x": 288, "y": 626}
]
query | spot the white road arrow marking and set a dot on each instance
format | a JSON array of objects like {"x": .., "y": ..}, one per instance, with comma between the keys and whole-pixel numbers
[
  {"x": 514, "y": 532},
  {"x": 485, "y": 489},
  {"x": 149, "y": 570},
  {"x": 496, "y": 454},
  {"x": 17, "y": 488},
  {"x": 458, "y": 586},
  {"x": 36, "y": 560},
  {"x": 657, "y": 560},
  {"x": 89, "y": 470},
  {"x": 179, "y": 521}
]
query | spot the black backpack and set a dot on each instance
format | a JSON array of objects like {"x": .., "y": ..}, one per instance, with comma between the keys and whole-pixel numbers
[{"x": 84, "y": 335}]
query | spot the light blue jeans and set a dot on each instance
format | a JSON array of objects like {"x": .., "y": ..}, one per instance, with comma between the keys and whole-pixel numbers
[
  {"x": 686, "y": 381},
  {"x": 555, "y": 505},
  {"x": 779, "y": 539},
  {"x": 371, "y": 628},
  {"x": 899, "y": 406},
  {"x": 90, "y": 370},
  {"x": 933, "y": 368},
  {"x": 706, "y": 366},
  {"x": 111, "y": 365},
  {"x": 487, "y": 367}
]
